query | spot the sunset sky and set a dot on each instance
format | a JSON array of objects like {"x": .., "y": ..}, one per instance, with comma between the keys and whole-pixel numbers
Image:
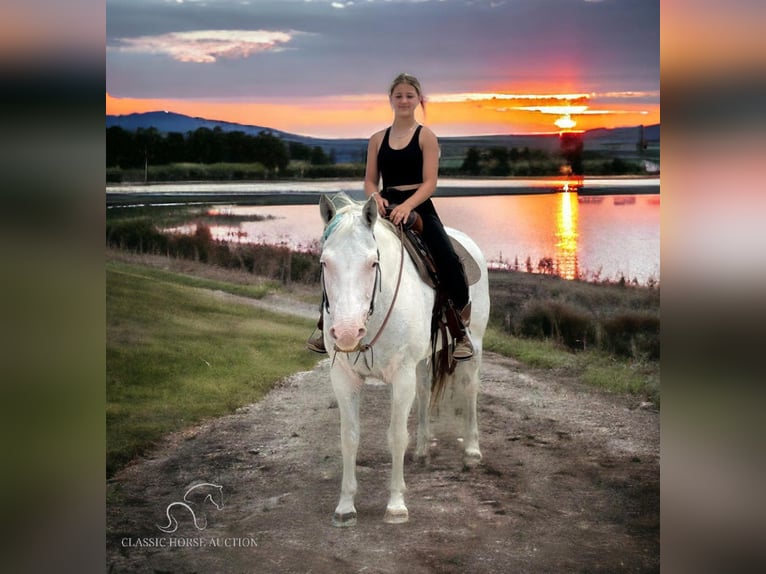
[{"x": 323, "y": 68}]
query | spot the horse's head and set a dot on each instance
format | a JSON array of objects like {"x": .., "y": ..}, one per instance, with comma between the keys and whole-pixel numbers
[
  {"x": 203, "y": 492},
  {"x": 350, "y": 268}
]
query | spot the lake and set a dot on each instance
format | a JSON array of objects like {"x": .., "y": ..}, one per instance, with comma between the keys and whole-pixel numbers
[{"x": 608, "y": 234}]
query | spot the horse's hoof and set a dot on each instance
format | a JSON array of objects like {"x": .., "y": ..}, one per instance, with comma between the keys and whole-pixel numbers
[
  {"x": 344, "y": 520},
  {"x": 471, "y": 459},
  {"x": 398, "y": 516}
]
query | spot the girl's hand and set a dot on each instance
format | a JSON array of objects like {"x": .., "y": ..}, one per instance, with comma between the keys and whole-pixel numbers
[
  {"x": 382, "y": 204},
  {"x": 400, "y": 214}
]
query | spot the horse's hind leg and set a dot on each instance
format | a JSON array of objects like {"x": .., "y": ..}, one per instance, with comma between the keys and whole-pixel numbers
[
  {"x": 470, "y": 379},
  {"x": 424, "y": 399},
  {"x": 347, "y": 393},
  {"x": 402, "y": 396}
]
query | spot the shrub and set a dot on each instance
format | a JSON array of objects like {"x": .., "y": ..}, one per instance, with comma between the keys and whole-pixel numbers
[
  {"x": 305, "y": 268},
  {"x": 536, "y": 321},
  {"x": 347, "y": 170},
  {"x": 563, "y": 323},
  {"x": 274, "y": 262},
  {"x": 136, "y": 235},
  {"x": 633, "y": 334},
  {"x": 271, "y": 261},
  {"x": 198, "y": 246},
  {"x": 113, "y": 175}
]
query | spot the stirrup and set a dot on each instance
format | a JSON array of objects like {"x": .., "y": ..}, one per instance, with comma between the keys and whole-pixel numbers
[
  {"x": 463, "y": 349},
  {"x": 316, "y": 344},
  {"x": 463, "y": 346}
]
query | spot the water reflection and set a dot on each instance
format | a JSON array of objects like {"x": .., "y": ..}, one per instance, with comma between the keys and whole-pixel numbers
[
  {"x": 566, "y": 236},
  {"x": 574, "y": 236}
]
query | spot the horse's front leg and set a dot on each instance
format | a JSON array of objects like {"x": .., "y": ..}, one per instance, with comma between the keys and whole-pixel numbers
[
  {"x": 347, "y": 387},
  {"x": 402, "y": 396}
]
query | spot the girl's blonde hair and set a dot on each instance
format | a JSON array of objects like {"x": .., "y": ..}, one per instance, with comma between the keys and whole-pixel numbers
[{"x": 412, "y": 81}]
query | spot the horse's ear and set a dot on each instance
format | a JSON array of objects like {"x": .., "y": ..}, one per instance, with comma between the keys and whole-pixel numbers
[
  {"x": 370, "y": 212},
  {"x": 326, "y": 208}
]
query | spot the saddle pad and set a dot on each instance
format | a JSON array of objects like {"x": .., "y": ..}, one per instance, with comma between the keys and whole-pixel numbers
[{"x": 472, "y": 269}]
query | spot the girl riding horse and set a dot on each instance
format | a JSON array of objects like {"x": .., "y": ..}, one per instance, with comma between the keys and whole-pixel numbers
[{"x": 406, "y": 156}]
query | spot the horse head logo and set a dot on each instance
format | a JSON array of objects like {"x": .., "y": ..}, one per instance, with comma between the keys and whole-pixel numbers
[{"x": 192, "y": 503}]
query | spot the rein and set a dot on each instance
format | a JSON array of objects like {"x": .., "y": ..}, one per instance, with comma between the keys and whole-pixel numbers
[{"x": 363, "y": 348}]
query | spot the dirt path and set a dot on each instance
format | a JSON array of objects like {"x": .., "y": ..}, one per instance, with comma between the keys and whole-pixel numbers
[{"x": 569, "y": 483}]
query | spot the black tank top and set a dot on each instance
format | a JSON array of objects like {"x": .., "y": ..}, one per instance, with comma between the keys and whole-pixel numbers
[{"x": 401, "y": 166}]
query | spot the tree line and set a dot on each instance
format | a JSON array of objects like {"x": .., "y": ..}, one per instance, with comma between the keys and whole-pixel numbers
[
  {"x": 148, "y": 154},
  {"x": 148, "y": 146},
  {"x": 498, "y": 161}
]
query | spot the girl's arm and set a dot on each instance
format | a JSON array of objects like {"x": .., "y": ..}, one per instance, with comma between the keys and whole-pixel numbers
[{"x": 372, "y": 173}]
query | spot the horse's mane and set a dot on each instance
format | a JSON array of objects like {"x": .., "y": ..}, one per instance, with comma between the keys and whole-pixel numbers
[
  {"x": 344, "y": 205},
  {"x": 341, "y": 200}
]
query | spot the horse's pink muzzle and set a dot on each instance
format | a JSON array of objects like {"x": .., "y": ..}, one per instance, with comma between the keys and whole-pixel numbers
[{"x": 347, "y": 335}]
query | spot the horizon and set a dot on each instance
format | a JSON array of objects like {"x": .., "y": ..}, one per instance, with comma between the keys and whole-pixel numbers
[
  {"x": 481, "y": 135},
  {"x": 509, "y": 67}
]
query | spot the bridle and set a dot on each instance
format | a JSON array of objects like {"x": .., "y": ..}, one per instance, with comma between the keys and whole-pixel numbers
[{"x": 364, "y": 347}]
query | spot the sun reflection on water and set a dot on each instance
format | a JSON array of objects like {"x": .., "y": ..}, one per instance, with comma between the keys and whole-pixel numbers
[{"x": 566, "y": 235}]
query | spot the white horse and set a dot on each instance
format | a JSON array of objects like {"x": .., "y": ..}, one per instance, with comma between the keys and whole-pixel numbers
[{"x": 377, "y": 323}]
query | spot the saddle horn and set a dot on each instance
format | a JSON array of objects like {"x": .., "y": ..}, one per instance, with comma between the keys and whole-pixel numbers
[{"x": 414, "y": 221}]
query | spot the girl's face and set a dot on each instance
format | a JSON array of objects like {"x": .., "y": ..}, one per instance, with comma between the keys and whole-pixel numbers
[{"x": 404, "y": 99}]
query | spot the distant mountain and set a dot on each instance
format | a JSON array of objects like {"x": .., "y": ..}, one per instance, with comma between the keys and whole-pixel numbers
[
  {"x": 605, "y": 137},
  {"x": 355, "y": 149},
  {"x": 171, "y": 122},
  {"x": 345, "y": 150}
]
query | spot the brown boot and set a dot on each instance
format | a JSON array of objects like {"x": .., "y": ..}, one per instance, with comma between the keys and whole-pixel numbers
[
  {"x": 316, "y": 342},
  {"x": 463, "y": 346}
]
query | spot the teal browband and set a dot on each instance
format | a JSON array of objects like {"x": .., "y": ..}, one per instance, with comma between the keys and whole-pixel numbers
[{"x": 331, "y": 226}]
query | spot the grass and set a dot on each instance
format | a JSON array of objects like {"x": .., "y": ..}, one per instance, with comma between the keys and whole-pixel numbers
[
  {"x": 176, "y": 356},
  {"x": 633, "y": 377},
  {"x": 640, "y": 378},
  {"x": 535, "y": 353},
  {"x": 160, "y": 275}
]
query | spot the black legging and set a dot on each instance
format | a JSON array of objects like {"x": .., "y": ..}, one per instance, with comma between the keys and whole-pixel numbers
[{"x": 448, "y": 265}]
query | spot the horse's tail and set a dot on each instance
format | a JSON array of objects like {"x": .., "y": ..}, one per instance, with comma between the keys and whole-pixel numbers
[{"x": 172, "y": 525}]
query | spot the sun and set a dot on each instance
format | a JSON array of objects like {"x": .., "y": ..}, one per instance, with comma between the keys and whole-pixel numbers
[{"x": 565, "y": 122}]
